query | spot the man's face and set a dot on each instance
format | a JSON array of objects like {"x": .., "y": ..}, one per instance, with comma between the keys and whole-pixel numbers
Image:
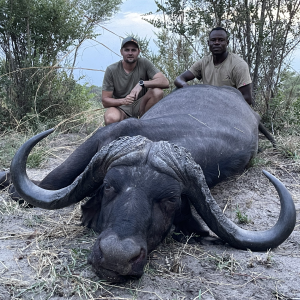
[
  {"x": 130, "y": 53},
  {"x": 218, "y": 42}
]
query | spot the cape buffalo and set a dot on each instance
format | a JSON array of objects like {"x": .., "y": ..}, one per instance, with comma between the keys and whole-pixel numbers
[{"x": 141, "y": 176}]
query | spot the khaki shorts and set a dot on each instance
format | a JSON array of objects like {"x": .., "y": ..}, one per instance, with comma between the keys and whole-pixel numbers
[{"x": 132, "y": 110}]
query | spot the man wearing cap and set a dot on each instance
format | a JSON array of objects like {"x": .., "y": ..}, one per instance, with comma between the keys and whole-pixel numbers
[
  {"x": 131, "y": 86},
  {"x": 220, "y": 68}
]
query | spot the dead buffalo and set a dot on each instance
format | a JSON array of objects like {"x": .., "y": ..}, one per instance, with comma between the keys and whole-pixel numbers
[{"x": 142, "y": 175}]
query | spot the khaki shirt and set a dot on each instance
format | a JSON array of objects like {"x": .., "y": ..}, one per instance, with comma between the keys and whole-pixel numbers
[
  {"x": 121, "y": 83},
  {"x": 233, "y": 71}
]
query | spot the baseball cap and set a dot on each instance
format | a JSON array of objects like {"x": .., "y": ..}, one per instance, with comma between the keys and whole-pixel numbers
[{"x": 129, "y": 39}]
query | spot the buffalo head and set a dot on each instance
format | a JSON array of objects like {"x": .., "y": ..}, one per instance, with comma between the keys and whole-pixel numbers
[{"x": 137, "y": 188}]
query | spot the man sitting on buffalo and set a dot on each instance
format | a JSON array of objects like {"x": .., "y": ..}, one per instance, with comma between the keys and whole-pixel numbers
[
  {"x": 220, "y": 68},
  {"x": 132, "y": 85}
]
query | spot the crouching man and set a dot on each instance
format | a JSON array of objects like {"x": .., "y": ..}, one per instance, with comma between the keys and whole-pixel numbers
[{"x": 131, "y": 86}]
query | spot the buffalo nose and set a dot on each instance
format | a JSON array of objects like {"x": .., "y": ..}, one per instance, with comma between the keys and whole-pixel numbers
[{"x": 121, "y": 255}]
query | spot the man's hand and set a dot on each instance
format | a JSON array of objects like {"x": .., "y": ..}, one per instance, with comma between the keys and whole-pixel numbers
[
  {"x": 109, "y": 101},
  {"x": 129, "y": 99},
  {"x": 182, "y": 79},
  {"x": 135, "y": 91}
]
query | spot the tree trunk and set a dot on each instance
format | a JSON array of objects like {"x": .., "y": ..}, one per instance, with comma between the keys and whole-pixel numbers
[{"x": 258, "y": 48}]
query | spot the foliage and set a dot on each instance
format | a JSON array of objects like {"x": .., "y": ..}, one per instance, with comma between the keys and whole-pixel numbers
[
  {"x": 11, "y": 141},
  {"x": 258, "y": 161},
  {"x": 284, "y": 110},
  {"x": 96, "y": 92},
  {"x": 8, "y": 147},
  {"x": 36, "y": 158},
  {"x": 60, "y": 97},
  {"x": 289, "y": 146},
  {"x": 173, "y": 57},
  {"x": 35, "y": 38},
  {"x": 242, "y": 216}
]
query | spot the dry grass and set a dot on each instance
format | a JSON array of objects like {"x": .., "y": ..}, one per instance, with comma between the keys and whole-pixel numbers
[
  {"x": 55, "y": 248},
  {"x": 289, "y": 146},
  {"x": 81, "y": 125}
]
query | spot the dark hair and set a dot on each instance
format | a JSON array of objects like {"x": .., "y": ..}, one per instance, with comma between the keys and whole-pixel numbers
[{"x": 220, "y": 28}]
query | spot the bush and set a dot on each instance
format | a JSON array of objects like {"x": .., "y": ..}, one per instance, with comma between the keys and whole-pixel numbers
[
  {"x": 56, "y": 98},
  {"x": 283, "y": 111}
]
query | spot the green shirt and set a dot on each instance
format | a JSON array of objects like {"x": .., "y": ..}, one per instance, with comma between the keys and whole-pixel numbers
[
  {"x": 116, "y": 80},
  {"x": 233, "y": 71}
]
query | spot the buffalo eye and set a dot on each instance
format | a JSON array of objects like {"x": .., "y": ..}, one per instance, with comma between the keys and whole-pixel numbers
[
  {"x": 172, "y": 199},
  {"x": 170, "y": 204},
  {"x": 107, "y": 187}
]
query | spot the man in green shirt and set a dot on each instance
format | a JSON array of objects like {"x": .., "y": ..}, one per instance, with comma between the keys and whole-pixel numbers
[
  {"x": 220, "y": 68},
  {"x": 131, "y": 86}
]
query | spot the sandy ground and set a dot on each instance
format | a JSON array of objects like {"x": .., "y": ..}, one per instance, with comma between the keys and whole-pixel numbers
[{"x": 43, "y": 253}]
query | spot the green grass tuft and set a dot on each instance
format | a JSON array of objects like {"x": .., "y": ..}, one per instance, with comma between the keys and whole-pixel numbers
[{"x": 242, "y": 216}]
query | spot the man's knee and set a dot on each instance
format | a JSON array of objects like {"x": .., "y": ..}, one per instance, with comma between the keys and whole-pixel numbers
[
  {"x": 112, "y": 115},
  {"x": 156, "y": 94},
  {"x": 109, "y": 119}
]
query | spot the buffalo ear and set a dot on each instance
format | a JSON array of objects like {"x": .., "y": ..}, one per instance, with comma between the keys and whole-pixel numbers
[{"x": 91, "y": 211}]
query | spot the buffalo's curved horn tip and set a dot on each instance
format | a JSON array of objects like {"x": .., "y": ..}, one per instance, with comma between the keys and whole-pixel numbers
[
  {"x": 30, "y": 192},
  {"x": 288, "y": 211},
  {"x": 234, "y": 235}
]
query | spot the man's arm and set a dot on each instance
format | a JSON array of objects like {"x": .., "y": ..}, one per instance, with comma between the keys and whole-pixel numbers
[
  {"x": 183, "y": 78},
  {"x": 158, "y": 81},
  {"x": 246, "y": 91},
  {"x": 109, "y": 101}
]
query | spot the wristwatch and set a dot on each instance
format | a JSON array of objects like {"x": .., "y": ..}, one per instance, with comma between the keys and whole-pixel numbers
[{"x": 141, "y": 83}]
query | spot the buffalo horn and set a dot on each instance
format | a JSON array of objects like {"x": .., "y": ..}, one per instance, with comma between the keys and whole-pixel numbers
[
  {"x": 129, "y": 149},
  {"x": 204, "y": 203}
]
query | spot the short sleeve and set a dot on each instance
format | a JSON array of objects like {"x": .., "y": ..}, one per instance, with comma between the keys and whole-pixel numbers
[
  {"x": 196, "y": 69},
  {"x": 150, "y": 68},
  {"x": 108, "y": 84},
  {"x": 241, "y": 75}
]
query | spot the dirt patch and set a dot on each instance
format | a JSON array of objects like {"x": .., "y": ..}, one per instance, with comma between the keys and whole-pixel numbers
[{"x": 43, "y": 254}]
